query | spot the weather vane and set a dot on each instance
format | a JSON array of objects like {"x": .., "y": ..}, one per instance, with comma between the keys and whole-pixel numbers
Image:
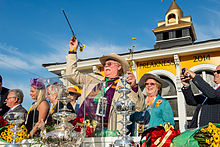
[{"x": 81, "y": 46}]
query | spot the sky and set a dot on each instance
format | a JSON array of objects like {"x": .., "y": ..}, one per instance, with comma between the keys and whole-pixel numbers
[{"x": 35, "y": 32}]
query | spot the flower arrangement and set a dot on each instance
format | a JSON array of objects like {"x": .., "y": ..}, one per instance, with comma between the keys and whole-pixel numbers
[
  {"x": 6, "y": 133},
  {"x": 208, "y": 136},
  {"x": 158, "y": 102},
  {"x": 2, "y": 122},
  {"x": 159, "y": 136}
]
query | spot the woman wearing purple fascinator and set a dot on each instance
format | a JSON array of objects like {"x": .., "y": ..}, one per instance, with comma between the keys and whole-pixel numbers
[{"x": 39, "y": 109}]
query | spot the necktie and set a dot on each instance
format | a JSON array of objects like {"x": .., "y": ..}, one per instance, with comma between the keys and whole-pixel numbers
[
  {"x": 107, "y": 80},
  {"x": 9, "y": 110}
]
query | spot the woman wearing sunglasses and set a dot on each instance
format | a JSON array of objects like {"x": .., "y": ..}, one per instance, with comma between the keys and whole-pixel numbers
[
  {"x": 74, "y": 95},
  {"x": 157, "y": 109}
]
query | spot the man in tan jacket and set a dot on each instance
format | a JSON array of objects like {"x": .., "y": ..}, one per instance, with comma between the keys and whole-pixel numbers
[{"x": 95, "y": 86}]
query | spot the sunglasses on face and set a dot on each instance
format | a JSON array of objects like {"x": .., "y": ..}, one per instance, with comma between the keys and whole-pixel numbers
[
  {"x": 216, "y": 71},
  {"x": 73, "y": 94},
  {"x": 151, "y": 84},
  {"x": 109, "y": 63}
]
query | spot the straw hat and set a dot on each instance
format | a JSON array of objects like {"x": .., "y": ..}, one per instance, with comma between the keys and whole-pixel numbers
[
  {"x": 113, "y": 56},
  {"x": 74, "y": 90},
  {"x": 152, "y": 76}
]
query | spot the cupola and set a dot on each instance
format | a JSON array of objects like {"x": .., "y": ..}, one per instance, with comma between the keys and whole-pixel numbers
[{"x": 175, "y": 30}]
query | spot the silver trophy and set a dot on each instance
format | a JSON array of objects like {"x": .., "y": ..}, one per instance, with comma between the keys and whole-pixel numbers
[
  {"x": 125, "y": 107},
  {"x": 17, "y": 118},
  {"x": 64, "y": 134}
]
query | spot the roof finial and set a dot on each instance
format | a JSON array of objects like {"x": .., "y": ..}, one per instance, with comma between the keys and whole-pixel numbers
[{"x": 163, "y": 0}]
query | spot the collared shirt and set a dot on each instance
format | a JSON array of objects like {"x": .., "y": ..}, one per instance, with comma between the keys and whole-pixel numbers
[
  {"x": 14, "y": 107},
  {"x": 217, "y": 86},
  {"x": 11, "y": 109}
]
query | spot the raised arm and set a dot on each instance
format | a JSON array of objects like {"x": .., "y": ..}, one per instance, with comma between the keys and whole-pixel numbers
[
  {"x": 138, "y": 97},
  {"x": 73, "y": 75},
  {"x": 202, "y": 85},
  {"x": 186, "y": 89},
  {"x": 206, "y": 89}
]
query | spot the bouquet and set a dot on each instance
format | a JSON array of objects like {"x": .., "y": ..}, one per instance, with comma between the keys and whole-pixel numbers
[
  {"x": 2, "y": 122},
  {"x": 6, "y": 134},
  {"x": 208, "y": 136},
  {"x": 159, "y": 136}
]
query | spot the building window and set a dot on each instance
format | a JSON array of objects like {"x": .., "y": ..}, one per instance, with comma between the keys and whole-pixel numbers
[
  {"x": 165, "y": 35},
  {"x": 172, "y": 18},
  {"x": 170, "y": 94},
  {"x": 179, "y": 33}
]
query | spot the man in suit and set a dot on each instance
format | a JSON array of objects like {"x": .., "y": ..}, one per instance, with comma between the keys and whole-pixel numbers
[
  {"x": 3, "y": 96},
  {"x": 208, "y": 104},
  {"x": 14, "y": 100},
  {"x": 114, "y": 66}
]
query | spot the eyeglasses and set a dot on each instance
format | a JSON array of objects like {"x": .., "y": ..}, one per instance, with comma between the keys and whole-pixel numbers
[
  {"x": 151, "y": 84},
  {"x": 73, "y": 94},
  {"x": 10, "y": 97},
  {"x": 109, "y": 63},
  {"x": 216, "y": 71}
]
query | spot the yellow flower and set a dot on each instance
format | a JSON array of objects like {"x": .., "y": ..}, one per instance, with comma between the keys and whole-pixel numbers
[
  {"x": 22, "y": 127},
  {"x": 158, "y": 103},
  {"x": 209, "y": 130},
  {"x": 214, "y": 133},
  {"x": 203, "y": 130},
  {"x": 216, "y": 139},
  {"x": 211, "y": 124},
  {"x": 6, "y": 135},
  {"x": 207, "y": 141},
  {"x": 82, "y": 47},
  {"x": 214, "y": 144},
  {"x": 211, "y": 139},
  {"x": 3, "y": 134}
]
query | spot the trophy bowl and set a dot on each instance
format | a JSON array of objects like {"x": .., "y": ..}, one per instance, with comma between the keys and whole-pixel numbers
[
  {"x": 15, "y": 117},
  {"x": 124, "y": 90},
  {"x": 65, "y": 100},
  {"x": 64, "y": 116},
  {"x": 124, "y": 142},
  {"x": 59, "y": 138},
  {"x": 125, "y": 107}
]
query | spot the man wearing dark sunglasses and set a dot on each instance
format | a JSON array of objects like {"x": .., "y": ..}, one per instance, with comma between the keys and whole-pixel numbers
[{"x": 208, "y": 103}]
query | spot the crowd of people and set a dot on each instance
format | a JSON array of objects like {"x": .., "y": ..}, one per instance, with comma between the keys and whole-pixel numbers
[{"x": 151, "y": 108}]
